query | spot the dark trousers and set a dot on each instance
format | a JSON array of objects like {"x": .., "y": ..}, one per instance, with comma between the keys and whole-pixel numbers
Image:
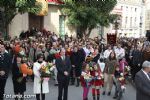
[
  {"x": 19, "y": 94},
  {"x": 2, "y": 88},
  {"x": 39, "y": 95},
  {"x": 134, "y": 70},
  {"x": 72, "y": 76},
  {"x": 63, "y": 89}
]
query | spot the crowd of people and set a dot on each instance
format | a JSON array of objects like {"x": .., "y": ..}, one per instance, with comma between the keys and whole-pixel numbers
[{"x": 90, "y": 62}]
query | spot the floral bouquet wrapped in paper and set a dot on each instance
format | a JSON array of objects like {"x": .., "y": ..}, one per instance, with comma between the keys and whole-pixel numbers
[
  {"x": 127, "y": 70},
  {"x": 23, "y": 67},
  {"x": 25, "y": 70},
  {"x": 46, "y": 71},
  {"x": 87, "y": 78}
]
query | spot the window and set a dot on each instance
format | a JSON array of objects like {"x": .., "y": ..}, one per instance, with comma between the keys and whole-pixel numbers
[
  {"x": 131, "y": 22},
  {"x": 126, "y": 8},
  {"x": 126, "y": 21},
  {"x": 121, "y": 7},
  {"x": 135, "y": 21},
  {"x": 135, "y": 9}
]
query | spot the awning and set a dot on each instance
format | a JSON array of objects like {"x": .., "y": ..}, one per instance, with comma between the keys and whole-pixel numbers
[{"x": 56, "y": 1}]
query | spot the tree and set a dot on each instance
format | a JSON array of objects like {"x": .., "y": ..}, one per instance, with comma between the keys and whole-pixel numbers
[
  {"x": 10, "y": 8},
  {"x": 85, "y": 15}
]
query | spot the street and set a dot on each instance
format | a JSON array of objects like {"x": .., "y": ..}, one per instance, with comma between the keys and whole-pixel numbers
[{"x": 75, "y": 93}]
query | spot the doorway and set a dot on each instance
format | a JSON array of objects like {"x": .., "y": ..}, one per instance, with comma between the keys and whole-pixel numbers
[{"x": 36, "y": 21}]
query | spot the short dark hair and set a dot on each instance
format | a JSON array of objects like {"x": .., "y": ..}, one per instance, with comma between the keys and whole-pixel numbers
[
  {"x": 40, "y": 55},
  {"x": 2, "y": 43}
]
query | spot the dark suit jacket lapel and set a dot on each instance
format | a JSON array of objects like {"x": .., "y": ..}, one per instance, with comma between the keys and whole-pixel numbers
[
  {"x": 63, "y": 61},
  {"x": 144, "y": 76}
]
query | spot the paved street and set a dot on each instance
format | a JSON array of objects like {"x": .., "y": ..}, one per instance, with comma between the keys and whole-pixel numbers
[{"x": 74, "y": 92}]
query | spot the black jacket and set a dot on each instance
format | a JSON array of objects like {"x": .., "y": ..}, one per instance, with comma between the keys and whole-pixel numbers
[
  {"x": 74, "y": 58},
  {"x": 19, "y": 87},
  {"x": 137, "y": 57},
  {"x": 5, "y": 64},
  {"x": 142, "y": 86},
  {"x": 63, "y": 66}
]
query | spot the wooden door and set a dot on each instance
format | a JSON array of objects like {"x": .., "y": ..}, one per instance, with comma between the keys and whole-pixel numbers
[{"x": 36, "y": 21}]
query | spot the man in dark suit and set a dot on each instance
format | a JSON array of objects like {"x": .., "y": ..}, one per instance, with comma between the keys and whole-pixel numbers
[
  {"x": 142, "y": 82},
  {"x": 5, "y": 63},
  {"x": 63, "y": 65}
]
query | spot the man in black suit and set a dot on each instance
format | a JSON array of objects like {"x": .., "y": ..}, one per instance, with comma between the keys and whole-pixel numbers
[
  {"x": 63, "y": 65},
  {"x": 142, "y": 82},
  {"x": 5, "y": 63}
]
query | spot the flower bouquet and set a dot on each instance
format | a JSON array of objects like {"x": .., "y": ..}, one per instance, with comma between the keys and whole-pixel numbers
[
  {"x": 46, "y": 71},
  {"x": 127, "y": 70},
  {"x": 88, "y": 78},
  {"x": 25, "y": 70}
]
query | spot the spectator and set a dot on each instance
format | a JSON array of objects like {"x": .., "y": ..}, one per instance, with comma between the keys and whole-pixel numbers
[
  {"x": 5, "y": 63},
  {"x": 142, "y": 82},
  {"x": 111, "y": 64},
  {"x": 107, "y": 52},
  {"x": 40, "y": 89},
  {"x": 63, "y": 65}
]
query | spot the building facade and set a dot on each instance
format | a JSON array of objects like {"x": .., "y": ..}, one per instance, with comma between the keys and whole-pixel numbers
[
  {"x": 132, "y": 18},
  {"x": 54, "y": 21},
  {"x": 147, "y": 14},
  {"x": 131, "y": 24}
]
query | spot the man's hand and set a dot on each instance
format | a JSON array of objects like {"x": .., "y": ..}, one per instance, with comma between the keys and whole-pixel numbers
[
  {"x": 130, "y": 57},
  {"x": 65, "y": 73},
  {"x": 73, "y": 66},
  {"x": 2, "y": 73}
]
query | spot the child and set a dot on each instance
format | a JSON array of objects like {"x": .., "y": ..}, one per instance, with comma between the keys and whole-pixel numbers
[
  {"x": 96, "y": 82},
  {"x": 119, "y": 81},
  {"x": 122, "y": 65},
  {"x": 86, "y": 81}
]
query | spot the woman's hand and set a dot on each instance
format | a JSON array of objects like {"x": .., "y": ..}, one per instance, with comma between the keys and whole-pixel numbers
[{"x": 24, "y": 75}]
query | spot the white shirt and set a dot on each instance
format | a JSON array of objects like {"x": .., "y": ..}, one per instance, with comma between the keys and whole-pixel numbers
[
  {"x": 120, "y": 53},
  {"x": 107, "y": 53},
  {"x": 87, "y": 51},
  {"x": 101, "y": 65},
  {"x": 146, "y": 74}
]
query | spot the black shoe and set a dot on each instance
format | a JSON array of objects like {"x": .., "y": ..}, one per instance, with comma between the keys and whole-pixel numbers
[
  {"x": 109, "y": 93},
  {"x": 94, "y": 98},
  {"x": 104, "y": 93},
  {"x": 98, "y": 97},
  {"x": 115, "y": 97}
]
